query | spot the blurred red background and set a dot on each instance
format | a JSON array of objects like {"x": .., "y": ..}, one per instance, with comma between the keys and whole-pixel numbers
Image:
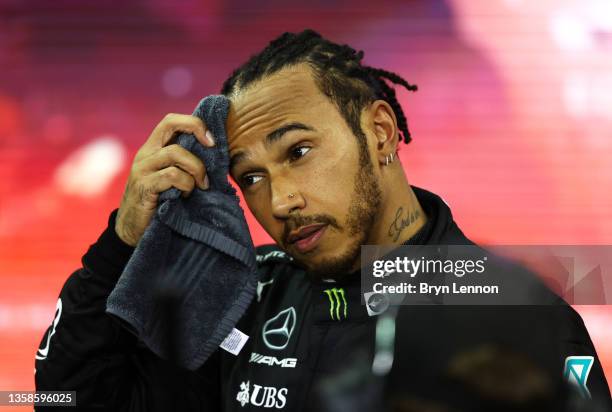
[{"x": 511, "y": 124}]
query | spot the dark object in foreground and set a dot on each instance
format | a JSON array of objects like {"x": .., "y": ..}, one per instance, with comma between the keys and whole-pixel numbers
[{"x": 201, "y": 249}]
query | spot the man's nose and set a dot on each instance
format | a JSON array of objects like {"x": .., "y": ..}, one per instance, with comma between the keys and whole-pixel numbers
[{"x": 286, "y": 199}]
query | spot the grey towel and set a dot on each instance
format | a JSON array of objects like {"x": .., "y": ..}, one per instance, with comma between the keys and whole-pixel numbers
[{"x": 193, "y": 273}]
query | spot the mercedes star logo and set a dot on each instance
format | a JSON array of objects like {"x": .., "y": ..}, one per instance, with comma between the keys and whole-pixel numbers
[{"x": 277, "y": 331}]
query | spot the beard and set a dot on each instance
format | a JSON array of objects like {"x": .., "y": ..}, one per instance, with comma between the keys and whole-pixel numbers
[{"x": 360, "y": 218}]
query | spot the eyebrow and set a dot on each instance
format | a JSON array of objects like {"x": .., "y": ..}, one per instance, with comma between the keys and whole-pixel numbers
[
  {"x": 280, "y": 132},
  {"x": 271, "y": 138}
]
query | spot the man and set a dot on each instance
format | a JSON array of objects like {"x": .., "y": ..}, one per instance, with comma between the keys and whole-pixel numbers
[{"x": 313, "y": 136}]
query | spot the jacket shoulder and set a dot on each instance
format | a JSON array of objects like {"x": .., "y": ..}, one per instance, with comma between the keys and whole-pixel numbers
[{"x": 274, "y": 267}]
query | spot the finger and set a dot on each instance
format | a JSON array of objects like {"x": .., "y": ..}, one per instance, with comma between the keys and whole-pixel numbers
[
  {"x": 176, "y": 155},
  {"x": 173, "y": 124},
  {"x": 167, "y": 178}
]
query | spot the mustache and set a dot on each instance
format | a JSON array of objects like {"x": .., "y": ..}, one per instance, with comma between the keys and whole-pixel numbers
[{"x": 296, "y": 221}]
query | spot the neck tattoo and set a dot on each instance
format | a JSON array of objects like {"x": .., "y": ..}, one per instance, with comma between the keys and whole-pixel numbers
[{"x": 399, "y": 223}]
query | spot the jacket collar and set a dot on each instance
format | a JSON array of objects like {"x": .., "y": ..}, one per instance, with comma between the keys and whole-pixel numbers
[{"x": 440, "y": 228}]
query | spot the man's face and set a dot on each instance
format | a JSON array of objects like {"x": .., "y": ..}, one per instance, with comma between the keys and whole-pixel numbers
[{"x": 302, "y": 172}]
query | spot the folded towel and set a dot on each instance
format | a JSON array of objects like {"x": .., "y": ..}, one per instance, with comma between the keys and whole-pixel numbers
[{"x": 193, "y": 273}]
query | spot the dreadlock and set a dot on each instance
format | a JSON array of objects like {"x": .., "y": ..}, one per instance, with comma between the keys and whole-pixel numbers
[{"x": 338, "y": 73}]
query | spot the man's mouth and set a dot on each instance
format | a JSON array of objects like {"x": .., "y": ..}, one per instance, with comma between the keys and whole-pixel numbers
[{"x": 306, "y": 238}]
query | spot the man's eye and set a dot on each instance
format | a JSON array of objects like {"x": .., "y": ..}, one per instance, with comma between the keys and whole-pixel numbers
[
  {"x": 250, "y": 180},
  {"x": 298, "y": 151}
]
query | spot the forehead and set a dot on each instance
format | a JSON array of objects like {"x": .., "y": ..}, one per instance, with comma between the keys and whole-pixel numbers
[{"x": 290, "y": 95}]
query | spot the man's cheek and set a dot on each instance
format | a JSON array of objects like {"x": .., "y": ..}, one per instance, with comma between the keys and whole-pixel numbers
[{"x": 265, "y": 219}]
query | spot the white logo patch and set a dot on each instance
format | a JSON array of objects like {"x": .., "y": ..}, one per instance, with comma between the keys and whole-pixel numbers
[
  {"x": 274, "y": 254},
  {"x": 262, "y": 396},
  {"x": 42, "y": 353},
  {"x": 272, "y": 361},
  {"x": 260, "y": 287},
  {"x": 277, "y": 331},
  {"x": 243, "y": 394}
]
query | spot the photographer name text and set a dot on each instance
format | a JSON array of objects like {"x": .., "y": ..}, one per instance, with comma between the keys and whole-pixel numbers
[{"x": 427, "y": 289}]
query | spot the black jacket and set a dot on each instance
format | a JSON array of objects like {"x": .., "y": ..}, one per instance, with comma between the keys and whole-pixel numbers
[{"x": 300, "y": 348}]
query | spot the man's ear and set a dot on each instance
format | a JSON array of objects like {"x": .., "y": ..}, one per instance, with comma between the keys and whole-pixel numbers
[{"x": 384, "y": 126}]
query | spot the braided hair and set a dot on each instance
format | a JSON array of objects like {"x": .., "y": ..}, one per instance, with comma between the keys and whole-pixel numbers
[{"x": 338, "y": 73}]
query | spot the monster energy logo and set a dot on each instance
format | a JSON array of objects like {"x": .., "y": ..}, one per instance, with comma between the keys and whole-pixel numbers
[{"x": 335, "y": 303}]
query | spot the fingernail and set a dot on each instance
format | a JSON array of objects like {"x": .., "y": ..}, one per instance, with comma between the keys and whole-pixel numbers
[
  {"x": 210, "y": 137},
  {"x": 206, "y": 183}
]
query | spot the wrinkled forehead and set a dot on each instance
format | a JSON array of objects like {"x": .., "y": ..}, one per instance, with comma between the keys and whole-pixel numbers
[{"x": 290, "y": 95}]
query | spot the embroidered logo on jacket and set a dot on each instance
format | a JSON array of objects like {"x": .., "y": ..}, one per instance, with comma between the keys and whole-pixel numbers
[
  {"x": 337, "y": 303},
  {"x": 275, "y": 254},
  {"x": 277, "y": 331},
  {"x": 576, "y": 372},
  {"x": 272, "y": 360},
  {"x": 243, "y": 394},
  {"x": 262, "y": 396},
  {"x": 376, "y": 303},
  {"x": 42, "y": 353}
]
